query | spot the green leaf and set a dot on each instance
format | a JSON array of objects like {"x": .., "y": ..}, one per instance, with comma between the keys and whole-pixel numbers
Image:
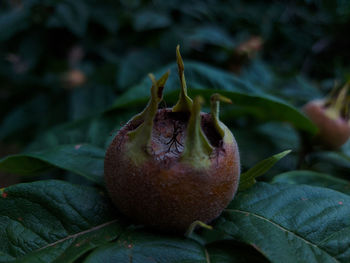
[
  {"x": 97, "y": 130},
  {"x": 247, "y": 179},
  {"x": 289, "y": 223},
  {"x": 329, "y": 162},
  {"x": 149, "y": 19},
  {"x": 211, "y": 35},
  {"x": 89, "y": 100},
  {"x": 106, "y": 16},
  {"x": 196, "y": 74},
  {"x": 149, "y": 248},
  {"x": 263, "y": 107},
  {"x": 205, "y": 80},
  {"x": 85, "y": 160},
  {"x": 313, "y": 178},
  {"x": 73, "y": 15},
  {"x": 53, "y": 221},
  {"x": 132, "y": 70},
  {"x": 24, "y": 117},
  {"x": 13, "y": 22}
]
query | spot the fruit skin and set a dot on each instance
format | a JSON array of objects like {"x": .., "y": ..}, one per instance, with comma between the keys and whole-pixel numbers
[
  {"x": 166, "y": 193},
  {"x": 333, "y": 132}
]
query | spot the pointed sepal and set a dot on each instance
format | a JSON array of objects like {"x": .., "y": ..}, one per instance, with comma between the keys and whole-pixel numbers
[
  {"x": 184, "y": 103},
  {"x": 140, "y": 138},
  {"x": 215, "y": 109},
  {"x": 197, "y": 149}
]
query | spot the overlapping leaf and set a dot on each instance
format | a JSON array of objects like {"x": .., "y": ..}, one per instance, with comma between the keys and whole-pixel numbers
[
  {"x": 53, "y": 221},
  {"x": 85, "y": 160},
  {"x": 315, "y": 179},
  {"x": 204, "y": 80},
  {"x": 289, "y": 223}
]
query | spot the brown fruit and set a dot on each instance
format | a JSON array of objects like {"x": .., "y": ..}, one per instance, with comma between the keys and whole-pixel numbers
[
  {"x": 331, "y": 118},
  {"x": 167, "y": 168}
]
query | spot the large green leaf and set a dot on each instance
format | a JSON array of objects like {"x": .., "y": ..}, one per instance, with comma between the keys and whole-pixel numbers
[
  {"x": 205, "y": 80},
  {"x": 53, "y": 221},
  {"x": 149, "y": 248},
  {"x": 289, "y": 223},
  {"x": 82, "y": 159},
  {"x": 315, "y": 179}
]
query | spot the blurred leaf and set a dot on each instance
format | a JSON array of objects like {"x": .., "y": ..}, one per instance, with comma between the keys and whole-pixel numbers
[
  {"x": 89, "y": 100},
  {"x": 247, "y": 179},
  {"x": 72, "y": 14},
  {"x": 53, "y": 221},
  {"x": 98, "y": 130},
  {"x": 106, "y": 16},
  {"x": 210, "y": 35},
  {"x": 281, "y": 135},
  {"x": 289, "y": 223},
  {"x": 132, "y": 70},
  {"x": 315, "y": 179},
  {"x": 248, "y": 137},
  {"x": 343, "y": 9},
  {"x": 300, "y": 90},
  {"x": 329, "y": 162},
  {"x": 25, "y": 116},
  {"x": 13, "y": 22},
  {"x": 260, "y": 74},
  {"x": 85, "y": 160},
  {"x": 149, "y": 19}
]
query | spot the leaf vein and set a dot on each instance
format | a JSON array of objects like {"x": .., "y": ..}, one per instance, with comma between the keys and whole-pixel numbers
[
  {"x": 79, "y": 234},
  {"x": 282, "y": 228}
]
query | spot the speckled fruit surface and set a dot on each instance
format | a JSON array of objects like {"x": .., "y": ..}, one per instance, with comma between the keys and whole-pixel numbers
[{"x": 164, "y": 192}]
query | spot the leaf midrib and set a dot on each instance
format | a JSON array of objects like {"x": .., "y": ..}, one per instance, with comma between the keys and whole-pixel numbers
[
  {"x": 77, "y": 234},
  {"x": 282, "y": 228}
]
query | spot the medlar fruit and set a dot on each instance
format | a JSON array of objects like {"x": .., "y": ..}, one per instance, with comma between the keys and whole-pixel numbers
[{"x": 167, "y": 168}]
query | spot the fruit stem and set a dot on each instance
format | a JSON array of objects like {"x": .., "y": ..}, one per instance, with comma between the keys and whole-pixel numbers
[
  {"x": 184, "y": 103},
  {"x": 140, "y": 138},
  {"x": 196, "y": 224},
  {"x": 215, "y": 109},
  {"x": 197, "y": 147}
]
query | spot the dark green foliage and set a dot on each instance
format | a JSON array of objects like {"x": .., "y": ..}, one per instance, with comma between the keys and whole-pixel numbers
[{"x": 72, "y": 73}]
